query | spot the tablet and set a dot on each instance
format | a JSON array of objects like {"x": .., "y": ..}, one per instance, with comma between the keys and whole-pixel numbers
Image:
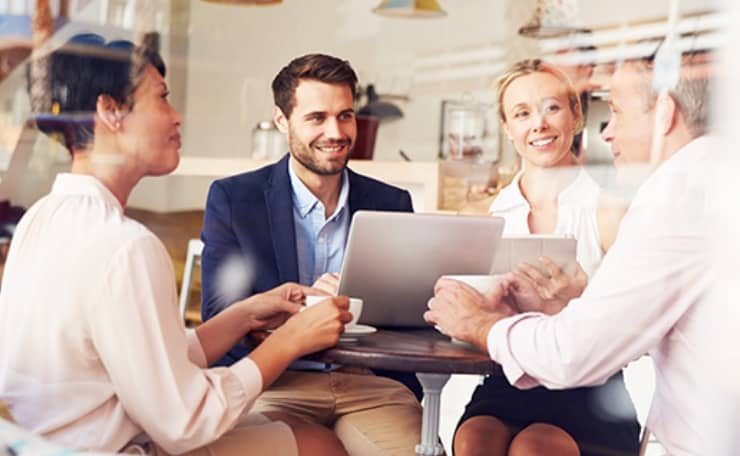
[{"x": 514, "y": 250}]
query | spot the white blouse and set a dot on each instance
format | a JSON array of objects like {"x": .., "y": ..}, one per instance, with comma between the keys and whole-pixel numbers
[
  {"x": 94, "y": 351},
  {"x": 577, "y": 209}
]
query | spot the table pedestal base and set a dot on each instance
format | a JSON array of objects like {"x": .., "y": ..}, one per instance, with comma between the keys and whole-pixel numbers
[{"x": 432, "y": 385}]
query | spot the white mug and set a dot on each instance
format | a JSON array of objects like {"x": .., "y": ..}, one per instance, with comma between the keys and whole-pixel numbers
[
  {"x": 482, "y": 283},
  {"x": 355, "y": 306}
]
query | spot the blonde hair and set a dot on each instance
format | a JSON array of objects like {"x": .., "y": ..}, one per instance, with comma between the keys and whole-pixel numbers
[{"x": 529, "y": 66}]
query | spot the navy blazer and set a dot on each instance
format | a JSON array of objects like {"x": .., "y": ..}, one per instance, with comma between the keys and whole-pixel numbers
[{"x": 250, "y": 215}]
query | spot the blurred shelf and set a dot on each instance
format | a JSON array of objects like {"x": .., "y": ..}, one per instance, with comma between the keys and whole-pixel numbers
[{"x": 421, "y": 176}]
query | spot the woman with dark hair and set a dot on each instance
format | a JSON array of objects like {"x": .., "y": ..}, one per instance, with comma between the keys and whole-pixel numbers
[{"x": 94, "y": 353}]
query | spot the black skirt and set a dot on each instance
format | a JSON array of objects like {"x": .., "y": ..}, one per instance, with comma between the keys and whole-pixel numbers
[{"x": 601, "y": 419}]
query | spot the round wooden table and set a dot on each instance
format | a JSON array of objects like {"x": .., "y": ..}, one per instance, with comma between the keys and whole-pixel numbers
[{"x": 431, "y": 355}]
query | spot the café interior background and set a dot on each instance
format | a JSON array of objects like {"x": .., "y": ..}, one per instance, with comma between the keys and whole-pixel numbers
[{"x": 222, "y": 58}]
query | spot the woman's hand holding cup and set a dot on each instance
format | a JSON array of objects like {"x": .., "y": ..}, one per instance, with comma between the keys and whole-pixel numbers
[{"x": 318, "y": 326}]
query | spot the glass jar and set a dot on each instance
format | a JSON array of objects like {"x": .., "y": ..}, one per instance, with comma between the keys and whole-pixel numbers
[
  {"x": 467, "y": 132},
  {"x": 267, "y": 141}
]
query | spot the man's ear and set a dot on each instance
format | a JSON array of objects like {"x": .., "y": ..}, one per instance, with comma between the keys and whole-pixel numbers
[
  {"x": 671, "y": 111},
  {"x": 280, "y": 119},
  {"x": 109, "y": 112}
]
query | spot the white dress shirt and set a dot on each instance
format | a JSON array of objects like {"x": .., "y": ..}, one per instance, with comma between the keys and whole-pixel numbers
[
  {"x": 94, "y": 351},
  {"x": 648, "y": 296}
]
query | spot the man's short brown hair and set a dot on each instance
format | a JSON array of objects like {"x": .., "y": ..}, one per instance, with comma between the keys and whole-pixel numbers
[{"x": 318, "y": 67}]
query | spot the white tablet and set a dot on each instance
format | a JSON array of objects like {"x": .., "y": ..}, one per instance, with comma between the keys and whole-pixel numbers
[{"x": 514, "y": 250}]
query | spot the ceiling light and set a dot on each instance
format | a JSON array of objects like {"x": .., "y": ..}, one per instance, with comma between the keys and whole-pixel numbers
[
  {"x": 410, "y": 8},
  {"x": 246, "y": 2},
  {"x": 552, "y": 18}
]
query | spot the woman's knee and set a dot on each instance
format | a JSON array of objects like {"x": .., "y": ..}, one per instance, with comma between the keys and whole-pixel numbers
[
  {"x": 541, "y": 438},
  {"x": 315, "y": 439},
  {"x": 482, "y": 435}
]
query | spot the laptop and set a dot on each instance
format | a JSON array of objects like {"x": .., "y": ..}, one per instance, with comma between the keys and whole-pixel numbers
[{"x": 393, "y": 259}]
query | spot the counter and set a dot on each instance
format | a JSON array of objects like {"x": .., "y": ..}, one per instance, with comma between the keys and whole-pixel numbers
[{"x": 187, "y": 187}]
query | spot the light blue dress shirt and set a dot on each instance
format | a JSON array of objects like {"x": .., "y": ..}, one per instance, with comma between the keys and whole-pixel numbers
[{"x": 320, "y": 241}]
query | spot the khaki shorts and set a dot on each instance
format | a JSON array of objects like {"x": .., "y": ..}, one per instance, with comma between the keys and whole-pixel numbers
[{"x": 371, "y": 415}]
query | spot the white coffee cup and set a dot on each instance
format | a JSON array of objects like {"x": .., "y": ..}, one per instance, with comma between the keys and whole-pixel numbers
[
  {"x": 355, "y": 306},
  {"x": 482, "y": 283}
]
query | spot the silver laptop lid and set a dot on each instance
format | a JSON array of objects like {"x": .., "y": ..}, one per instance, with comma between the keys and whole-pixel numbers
[{"x": 393, "y": 259}]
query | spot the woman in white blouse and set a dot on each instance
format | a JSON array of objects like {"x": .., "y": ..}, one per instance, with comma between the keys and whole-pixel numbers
[
  {"x": 540, "y": 112},
  {"x": 94, "y": 353}
]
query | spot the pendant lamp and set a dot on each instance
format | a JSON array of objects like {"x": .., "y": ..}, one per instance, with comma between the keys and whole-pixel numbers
[
  {"x": 246, "y": 2},
  {"x": 552, "y": 18},
  {"x": 410, "y": 8}
]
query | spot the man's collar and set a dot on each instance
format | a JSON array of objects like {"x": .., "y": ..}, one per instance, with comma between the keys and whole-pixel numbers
[{"x": 304, "y": 201}]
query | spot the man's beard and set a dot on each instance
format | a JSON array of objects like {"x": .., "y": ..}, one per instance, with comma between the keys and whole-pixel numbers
[{"x": 304, "y": 154}]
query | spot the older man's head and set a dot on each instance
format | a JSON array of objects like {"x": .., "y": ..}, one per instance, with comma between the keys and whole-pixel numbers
[{"x": 633, "y": 106}]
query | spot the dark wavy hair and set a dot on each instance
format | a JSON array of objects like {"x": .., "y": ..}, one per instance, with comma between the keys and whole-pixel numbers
[
  {"x": 81, "y": 70},
  {"x": 318, "y": 67}
]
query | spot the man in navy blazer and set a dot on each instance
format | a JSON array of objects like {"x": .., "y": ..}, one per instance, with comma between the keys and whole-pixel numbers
[
  {"x": 250, "y": 215},
  {"x": 288, "y": 222}
]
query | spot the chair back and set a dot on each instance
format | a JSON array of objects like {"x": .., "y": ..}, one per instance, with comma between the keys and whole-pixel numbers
[{"x": 195, "y": 248}]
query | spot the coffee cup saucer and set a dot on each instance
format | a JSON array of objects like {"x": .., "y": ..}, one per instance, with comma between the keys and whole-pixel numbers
[{"x": 359, "y": 330}]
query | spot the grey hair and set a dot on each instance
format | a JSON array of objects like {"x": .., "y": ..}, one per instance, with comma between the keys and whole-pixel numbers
[{"x": 691, "y": 94}]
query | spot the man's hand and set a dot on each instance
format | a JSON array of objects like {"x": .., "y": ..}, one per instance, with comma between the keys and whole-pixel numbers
[
  {"x": 532, "y": 291},
  {"x": 557, "y": 284},
  {"x": 460, "y": 311},
  {"x": 328, "y": 283}
]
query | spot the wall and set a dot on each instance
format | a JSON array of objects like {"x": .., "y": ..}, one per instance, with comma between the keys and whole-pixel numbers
[
  {"x": 232, "y": 65},
  {"x": 222, "y": 59},
  {"x": 233, "y": 52}
]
